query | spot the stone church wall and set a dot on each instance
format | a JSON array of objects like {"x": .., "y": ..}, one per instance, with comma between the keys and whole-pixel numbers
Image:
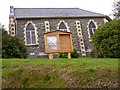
[{"x": 37, "y": 50}]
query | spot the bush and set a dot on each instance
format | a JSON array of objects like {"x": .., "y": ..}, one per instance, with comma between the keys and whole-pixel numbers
[
  {"x": 0, "y": 43},
  {"x": 12, "y": 47},
  {"x": 74, "y": 54},
  {"x": 106, "y": 39},
  {"x": 96, "y": 53},
  {"x": 63, "y": 55}
]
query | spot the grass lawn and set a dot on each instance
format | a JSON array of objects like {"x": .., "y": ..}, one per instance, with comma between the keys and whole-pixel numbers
[{"x": 60, "y": 73}]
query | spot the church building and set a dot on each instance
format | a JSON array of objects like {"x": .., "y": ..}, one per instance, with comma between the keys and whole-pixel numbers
[{"x": 30, "y": 24}]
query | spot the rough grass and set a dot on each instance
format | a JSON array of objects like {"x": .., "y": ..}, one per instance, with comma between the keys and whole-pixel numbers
[{"x": 60, "y": 73}]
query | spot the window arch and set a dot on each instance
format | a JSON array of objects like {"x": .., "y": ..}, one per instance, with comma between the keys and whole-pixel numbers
[
  {"x": 92, "y": 25},
  {"x": 63, "y": 26},
  {"x": 30, "y": 34}
]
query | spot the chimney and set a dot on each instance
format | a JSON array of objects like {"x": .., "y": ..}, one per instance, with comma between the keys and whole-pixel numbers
[{"x": 11, "y": 11}]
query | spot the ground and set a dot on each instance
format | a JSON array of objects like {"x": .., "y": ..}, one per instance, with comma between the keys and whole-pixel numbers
[{"x": 60, "y": 73}]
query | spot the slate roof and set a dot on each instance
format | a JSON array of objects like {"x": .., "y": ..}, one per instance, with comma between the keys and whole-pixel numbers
[{"x": 53, "y": 12}]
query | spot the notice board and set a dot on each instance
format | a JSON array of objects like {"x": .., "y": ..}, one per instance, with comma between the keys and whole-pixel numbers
[{"x": 58, "y": 41}]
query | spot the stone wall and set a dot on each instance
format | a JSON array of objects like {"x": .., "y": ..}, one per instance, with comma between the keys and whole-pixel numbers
[{"x": 37, "y": 50}]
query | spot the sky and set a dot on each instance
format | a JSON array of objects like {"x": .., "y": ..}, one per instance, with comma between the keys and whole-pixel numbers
[{"x": 99, "y": 6}]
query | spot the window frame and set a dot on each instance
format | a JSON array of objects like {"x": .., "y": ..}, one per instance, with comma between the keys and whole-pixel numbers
[
  {"x": 93, "y": 29},
  {"x": 30, "y": 31},
  {"x": 31, "y": 40}
]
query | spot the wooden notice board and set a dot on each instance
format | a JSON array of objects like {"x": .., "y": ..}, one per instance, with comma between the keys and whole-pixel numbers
[
  {"x": 58, "y": 41},
  {"x": 65, "y": 42}
]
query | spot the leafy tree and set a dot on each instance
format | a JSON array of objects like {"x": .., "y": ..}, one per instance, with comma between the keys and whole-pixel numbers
[
  {"x": 106, "y": 39},
  {"x": 116, "y": 10},
  {"x": 12, "y": 47},
  {"x": 1, "y": 40}
]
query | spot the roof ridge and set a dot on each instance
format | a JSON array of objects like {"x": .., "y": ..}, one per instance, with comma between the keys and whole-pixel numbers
[{"x": 49, "y": 8}]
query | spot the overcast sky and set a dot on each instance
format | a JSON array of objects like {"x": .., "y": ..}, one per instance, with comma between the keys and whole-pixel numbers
[{"x": 100, "y": 6}]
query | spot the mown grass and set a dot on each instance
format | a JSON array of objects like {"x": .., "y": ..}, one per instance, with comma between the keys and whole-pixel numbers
[{"x": 59, "y": 73}]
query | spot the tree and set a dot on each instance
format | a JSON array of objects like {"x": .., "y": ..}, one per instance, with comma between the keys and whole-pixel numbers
[
  {"x": 106, "y": 39},
  {"x": 1, "y": 40},
  {"x": 116, "y": 10},
  {"x": 12, "y": 47}
]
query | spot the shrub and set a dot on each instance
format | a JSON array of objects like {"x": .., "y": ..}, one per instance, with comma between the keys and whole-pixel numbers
[
  {"x": 12, "y": 47},
  {"x": 63, "y": 55},
  {"x": 96, "y": 53},
  {"x": 74, "y": 54},
  {"x": 106, "y": 39}
]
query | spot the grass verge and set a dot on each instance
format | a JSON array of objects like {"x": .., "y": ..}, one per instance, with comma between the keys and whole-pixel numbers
[{"x": 60, "y": 73}]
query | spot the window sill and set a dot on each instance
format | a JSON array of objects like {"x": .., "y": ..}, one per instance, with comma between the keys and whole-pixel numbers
[
  {"x": 90, "y": 40},
  {"x": 66, "y": 30},
  {"x": 32, "y": 44}
]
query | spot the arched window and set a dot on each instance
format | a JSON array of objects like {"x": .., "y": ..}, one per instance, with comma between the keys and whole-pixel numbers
[
  {"x": 63, "y": 26},
  {"x": 92, "y": 28},
  {"x": 30, "y": 34}
]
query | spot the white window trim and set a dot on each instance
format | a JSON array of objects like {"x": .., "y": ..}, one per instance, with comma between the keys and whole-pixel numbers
[
  {"x": 12, "y": 26},
  {"x": 65, "y": 25},
  {"x": 92, "y": 30},
  {"x": 80, "y": 36},
  {"x": 32, "y": 53},
  {"x": 36, "y": 33},
  {"x": 47, "y": 26},
  {"x": 88, "y": 50},
  {"x": 105, "y": 20}
]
